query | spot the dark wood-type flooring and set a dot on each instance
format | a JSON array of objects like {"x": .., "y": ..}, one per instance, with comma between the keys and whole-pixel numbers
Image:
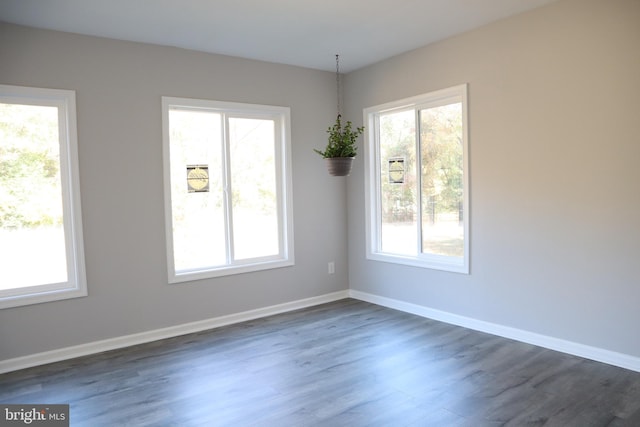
[{"x": 347, "y": 363}]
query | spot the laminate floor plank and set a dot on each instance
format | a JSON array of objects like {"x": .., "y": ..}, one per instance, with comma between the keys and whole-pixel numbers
[{"x": 346, "y": 363}]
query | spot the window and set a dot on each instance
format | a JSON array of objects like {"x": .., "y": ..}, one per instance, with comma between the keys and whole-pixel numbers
[
  {"x": 41, "y": 247},
  {"x": 417, "y": 181},
  {"x": 227, "y": 188}
]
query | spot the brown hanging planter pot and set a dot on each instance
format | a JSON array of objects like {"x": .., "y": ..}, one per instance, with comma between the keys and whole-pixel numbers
[{"x": 339, "y": 166}]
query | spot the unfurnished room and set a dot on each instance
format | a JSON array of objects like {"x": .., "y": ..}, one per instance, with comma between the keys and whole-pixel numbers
[{"x": 338, "y": 213}]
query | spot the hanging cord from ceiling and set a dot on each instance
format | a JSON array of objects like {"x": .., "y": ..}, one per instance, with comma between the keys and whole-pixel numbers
[{"x": 338, "y": 83}]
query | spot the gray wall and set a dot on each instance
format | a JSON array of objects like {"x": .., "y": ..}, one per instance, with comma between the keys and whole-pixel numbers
[
  {"x": 554, "y": 106},
  {"x": 554, "y": 147},
  {"x": 118, "y": 91}
]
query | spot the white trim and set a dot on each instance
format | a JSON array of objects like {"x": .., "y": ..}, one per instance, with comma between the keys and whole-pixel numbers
[
  {"x": 594, "y": 353},
  {"x": 281, "y": 117},
  {"x": 373, "y": 203},
  {"x": 159, "y": 334},
  {"x": 76, "y": 284},
  {"x": 588, "y": 352}
]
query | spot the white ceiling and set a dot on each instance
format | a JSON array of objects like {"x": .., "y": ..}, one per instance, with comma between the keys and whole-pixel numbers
[{"x": 307, "y": 33}]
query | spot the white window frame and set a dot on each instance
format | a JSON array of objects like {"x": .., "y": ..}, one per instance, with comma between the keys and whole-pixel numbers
[
  {"x": 372, "y": 182},
  {"x": 282, "y": 118},
  {"x": 76, "y": 284}
]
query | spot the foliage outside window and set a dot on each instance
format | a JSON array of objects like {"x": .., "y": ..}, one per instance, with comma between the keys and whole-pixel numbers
[
  {"x": 417, "y": 181},
  {"x": 227, "y": 188},
  {"x": 41, "y": 248}
]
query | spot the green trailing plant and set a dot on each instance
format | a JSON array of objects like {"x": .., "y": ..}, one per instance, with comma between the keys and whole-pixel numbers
[{"x": 342, "y": 140}]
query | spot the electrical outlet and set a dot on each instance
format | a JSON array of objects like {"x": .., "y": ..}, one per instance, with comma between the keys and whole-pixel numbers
[{"x": 332, "y": 267}]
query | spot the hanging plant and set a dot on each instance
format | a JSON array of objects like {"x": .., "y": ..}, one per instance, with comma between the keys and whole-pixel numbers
[
  {"x": 341, "y": 147},
  {"x": 342, "y": 140}
]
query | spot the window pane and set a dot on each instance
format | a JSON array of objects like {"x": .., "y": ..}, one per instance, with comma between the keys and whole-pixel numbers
[
  {"x": 399, "y": 231},
  {"x": 198, "y": 216},
  {"x": 237, "y": 221},
  {"x": 253, "y": 181},
  {"x": 417, "y": 197},
  {"x": 32, "y": 239},
  {"x": 442, "y": 178}
]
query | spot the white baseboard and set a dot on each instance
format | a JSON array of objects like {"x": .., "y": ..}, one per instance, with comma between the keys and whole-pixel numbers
[
  {"x": 594, "y": 353},
  {"x": 158, "y": 334},
  {"x": 581, "y": 350}
]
